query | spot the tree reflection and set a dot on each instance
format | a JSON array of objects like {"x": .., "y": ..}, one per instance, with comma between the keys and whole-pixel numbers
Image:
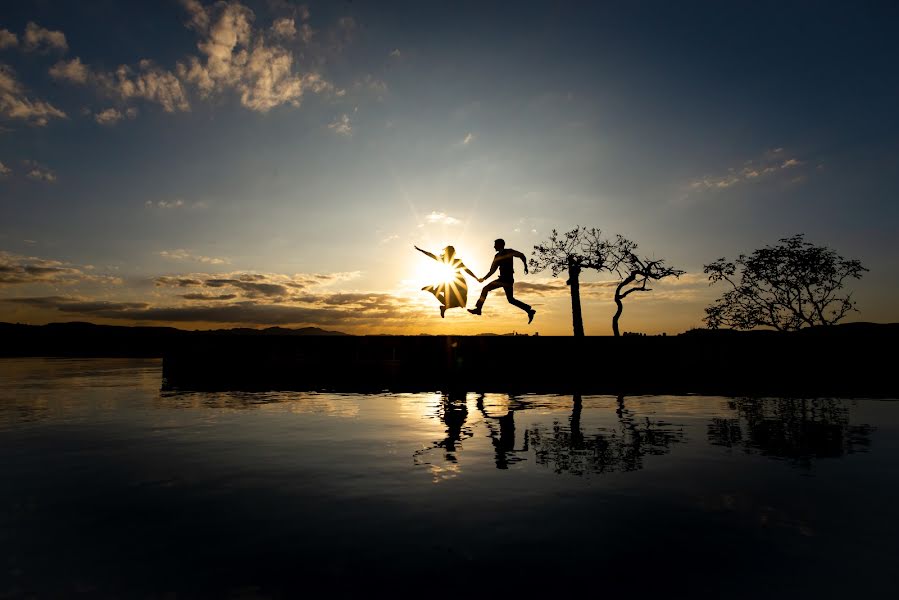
[
  {"x": 798, "y": 430},
  {"x": 622, "y": 448}
]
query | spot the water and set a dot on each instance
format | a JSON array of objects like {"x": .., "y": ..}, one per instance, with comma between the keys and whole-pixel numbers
[{"x": 113, "y": 488}]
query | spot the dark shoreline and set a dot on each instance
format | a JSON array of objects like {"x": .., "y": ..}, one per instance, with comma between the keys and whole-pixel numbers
[{"x": 851, "y": 360}]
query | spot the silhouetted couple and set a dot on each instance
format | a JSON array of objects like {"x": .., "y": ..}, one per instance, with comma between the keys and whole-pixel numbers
[{"x": 454, "y": 292}]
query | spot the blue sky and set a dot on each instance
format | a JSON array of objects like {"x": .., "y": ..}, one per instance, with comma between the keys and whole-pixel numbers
[{"x": 308, "y": 146}]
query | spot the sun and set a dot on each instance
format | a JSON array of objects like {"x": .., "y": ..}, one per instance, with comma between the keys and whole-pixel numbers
[{"x": 435, "y": 272}]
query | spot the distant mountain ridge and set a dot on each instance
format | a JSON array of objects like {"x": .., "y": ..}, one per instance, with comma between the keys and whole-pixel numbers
[{"x": 93, "y": 327}]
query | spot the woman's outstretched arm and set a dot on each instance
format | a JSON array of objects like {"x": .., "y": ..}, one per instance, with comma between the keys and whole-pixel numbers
[{"x": 425, "y": 252}]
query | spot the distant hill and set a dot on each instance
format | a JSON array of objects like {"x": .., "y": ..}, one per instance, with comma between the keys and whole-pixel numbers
[
  {"x": 89, "y": 339},
  {"x": 279, "y": 331},
  {"x": 841, "y": 329}
]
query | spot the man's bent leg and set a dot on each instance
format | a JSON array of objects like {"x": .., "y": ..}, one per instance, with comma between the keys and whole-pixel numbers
[
  {"x": 513, "y": 301},
  {"x": 483, "y": 297}
]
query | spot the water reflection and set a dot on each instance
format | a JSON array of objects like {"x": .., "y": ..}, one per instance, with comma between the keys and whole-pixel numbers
[
  {"x": 799, "y": 430},
  {"x": 619, "y": 443},
  {"x": 619, "y": 448},
  {"x": 452, "y": 410}
]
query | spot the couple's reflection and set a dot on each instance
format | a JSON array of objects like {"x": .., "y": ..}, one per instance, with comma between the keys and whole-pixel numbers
[
  {"x": 564, "y": 447},
  {"x": 501, "y": 430},
  {"x": 453, "y": 412}
]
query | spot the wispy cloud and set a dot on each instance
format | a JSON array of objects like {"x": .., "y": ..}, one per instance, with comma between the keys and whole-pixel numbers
[
  {"x": 40, "y": 39},
  {"x": 441, "y": 218},
  {"x": 469, "y": 137},
  {"x": 111, "y": 116},
  {"x": 183, "y": 255},
  {"x": 150, "y": 83},
  {"x": 342, "y": 125},
  {"x": 164, "y": 204},
  {"x": 284, "y": 28},
  {"x": 38, "y": 172},
  {"x": 73, "y": 71},
  {"x": 768, "y": 165},
  {"x": 395, "y": 53},
  {"x": 16, "y": 269},
  {"x": 15, "y": 104},
  {"x": 8, "y": 39},
  {"x": 4, "y": 170}
]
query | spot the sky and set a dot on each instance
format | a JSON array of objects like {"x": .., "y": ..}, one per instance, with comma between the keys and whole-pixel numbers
[{"x": 219, "y": 164}]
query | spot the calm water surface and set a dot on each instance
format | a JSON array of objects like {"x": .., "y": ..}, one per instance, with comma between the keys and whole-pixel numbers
[{"x": 113, "y": 488}]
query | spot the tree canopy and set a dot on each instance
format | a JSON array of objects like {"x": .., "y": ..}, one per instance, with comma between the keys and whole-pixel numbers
[{"x": 787, "y": 286}]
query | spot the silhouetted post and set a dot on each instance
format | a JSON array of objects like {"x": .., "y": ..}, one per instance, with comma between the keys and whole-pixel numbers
[{"x": 574, "y": 272}]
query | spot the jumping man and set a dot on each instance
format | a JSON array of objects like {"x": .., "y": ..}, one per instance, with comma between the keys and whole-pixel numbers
[{"x": 506, "y": 279}]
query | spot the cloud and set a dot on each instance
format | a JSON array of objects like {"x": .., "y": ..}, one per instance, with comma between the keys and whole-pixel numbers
[
  {"x": 184, "y": 255},
  {"x": 39, "y": 39},
  {"x": 468, "y": 138},
  {"x": 39, "y": 172},
  {"x": 371, "y": 85},
  {"x": 284, "y": 28},
  {"x": 166, "y": 281},
  {"x": 14, "y": 103},
  {"x": 441, "y": 218},
  {"x": 237, "y": 57},
  {"x": 4, "y": 170},
  {"x": 149, "y": 82},
  {"x": 389, "y": 239},
  {"x": 76, "y": 304},
  {"x": 16, "y": 269},
  {"x": 341, "y": 125},
  {"x": 73, "y": 71},
  {"x": 163, "y": 204},
  {"x": 111, "y": 116},
  {"x": 208, "y": 297},
  {"x": 275, "y": 287},
  {"x": 373, "y": 309},
  {"x": 771, "y": 163},
  {"x": 8, "y": 39},
  {"x": 395, "y": 53}
]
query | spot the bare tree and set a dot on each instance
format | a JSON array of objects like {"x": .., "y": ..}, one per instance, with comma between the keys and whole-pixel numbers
[
  {"x": 791, "y": 285},
  {"x": 573, "y": 251},
  {"x": 635, "y": 272}
]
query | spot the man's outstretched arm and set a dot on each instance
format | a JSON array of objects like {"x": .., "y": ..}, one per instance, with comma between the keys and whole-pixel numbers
[
  {"x": 523, "y": 258},
  {"x": 493, "y": 268}
]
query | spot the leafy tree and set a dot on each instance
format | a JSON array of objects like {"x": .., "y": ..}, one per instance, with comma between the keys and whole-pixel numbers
[
  {"x": 635, "y": 272},
  {"x": 788, "y": 286},
  {"x": 572, "y": 252}
]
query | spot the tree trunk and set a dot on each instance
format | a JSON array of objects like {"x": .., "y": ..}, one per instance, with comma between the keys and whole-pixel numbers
[
  {"x": 574, "y": 272},
  {"x": 620, "y": 310}
]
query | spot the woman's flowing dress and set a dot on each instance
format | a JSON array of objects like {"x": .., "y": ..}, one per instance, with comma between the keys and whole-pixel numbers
[{"x": 452, "y": 293}]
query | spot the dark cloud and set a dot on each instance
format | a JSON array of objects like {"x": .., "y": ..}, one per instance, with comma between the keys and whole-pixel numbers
[
  {"x": 358, "y": 299},
  {"x": 245, "y": 312},
  {"x": 20, "y": 270},
  {"x": 206, "y": 297},
  {"x": 177, "y": 281},
  {"x": 253, "y": 288},
  {"x": 75, "y": 305}
]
